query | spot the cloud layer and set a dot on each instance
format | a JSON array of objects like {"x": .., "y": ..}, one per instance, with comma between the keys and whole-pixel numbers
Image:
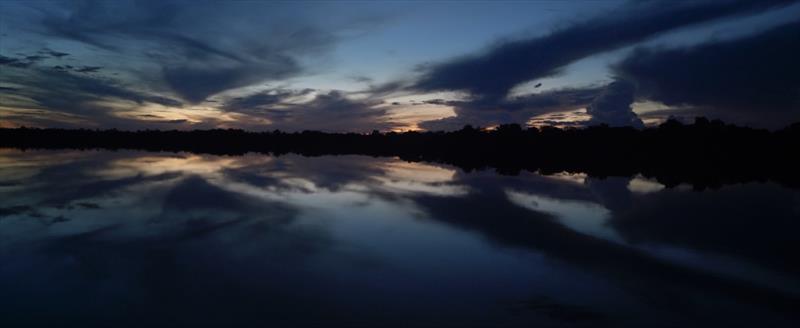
[
  {"x": 196, "y": 46},
  {"x": 329, "y": 111},
  {"x": 613, "y": 106},
  {"x": 494, "y": 73},
  {"x": 274, "y": 65},
  {"x": 751, "y": 80},
  {"x": 490, "y": 76}
]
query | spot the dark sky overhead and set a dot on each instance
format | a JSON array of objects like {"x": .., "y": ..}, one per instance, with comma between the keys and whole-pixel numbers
[{"x": 359, "y": 66}]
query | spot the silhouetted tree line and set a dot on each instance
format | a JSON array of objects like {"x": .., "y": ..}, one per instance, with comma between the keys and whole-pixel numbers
[{"x": 704, "y": 154}]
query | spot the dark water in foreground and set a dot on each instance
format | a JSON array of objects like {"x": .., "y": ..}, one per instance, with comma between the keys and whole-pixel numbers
[{"x": 134, "y": 238}]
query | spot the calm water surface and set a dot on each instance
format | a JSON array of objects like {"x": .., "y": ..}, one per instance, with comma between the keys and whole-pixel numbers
[{"x": 134, "y": 238}]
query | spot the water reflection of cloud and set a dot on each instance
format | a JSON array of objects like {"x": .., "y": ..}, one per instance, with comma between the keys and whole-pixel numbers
[
  {"x": 573, "y": 177},
  {"x": 418, "y": 172},
  {"x": 248, "y": 226},
  {"x": 153, "y": 243},
  {"x": 584, "y": 217},
  {"x": 642, "y": 185},
  {"x": 410, "y": 178},
  {"x": 18, "y": 167},
  {"x": 187, "y": 164},
  {"x": 351, "y": 174}
]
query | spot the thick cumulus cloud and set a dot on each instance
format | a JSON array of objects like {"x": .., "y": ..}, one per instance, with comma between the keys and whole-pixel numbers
[
  {"x": 490, "y": 76},
  {"x": 517, "y": 109},
  {"x": 330, "y": 112},
  {"x": 613, "y": 106},
  {"x": 753, "y": 80}
]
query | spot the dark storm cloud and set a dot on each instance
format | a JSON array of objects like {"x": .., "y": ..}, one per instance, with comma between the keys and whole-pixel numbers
[
  {"x": 495, "y": 72},
  {"x": 753, "y": 80}
]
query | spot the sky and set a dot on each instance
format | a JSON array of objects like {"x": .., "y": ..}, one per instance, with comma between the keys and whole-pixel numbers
[{"x": 361, "y": 66}]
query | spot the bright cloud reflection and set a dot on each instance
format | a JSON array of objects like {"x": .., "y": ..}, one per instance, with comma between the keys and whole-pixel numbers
[
  {"x": 642, "y": 185},
  {"x": 585, "y": 217},
  {"x": 571, "y": 177},
  {"x": 187, "y": 164},
  {"x": 405, "y": 177}
]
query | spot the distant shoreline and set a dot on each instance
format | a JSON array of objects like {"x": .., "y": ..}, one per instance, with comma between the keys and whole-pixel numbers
[{"x": 706, "y": 154}]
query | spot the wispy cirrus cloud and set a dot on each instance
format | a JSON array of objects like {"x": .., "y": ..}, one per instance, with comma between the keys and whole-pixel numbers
[
  {"x": 87, "y": 98},
  {"x": 197, "y": 49},
  {"x": 170, "y": 53}
]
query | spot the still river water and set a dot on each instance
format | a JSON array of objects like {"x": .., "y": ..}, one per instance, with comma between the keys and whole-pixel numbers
[{"x": 100, "y": 238}]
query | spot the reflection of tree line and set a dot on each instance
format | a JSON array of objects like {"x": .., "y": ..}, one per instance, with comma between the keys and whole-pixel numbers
[{"x": 704, "y": 154}]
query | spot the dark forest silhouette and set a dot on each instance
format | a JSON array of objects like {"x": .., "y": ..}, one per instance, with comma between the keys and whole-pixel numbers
[{"x": 704, "y": 154}]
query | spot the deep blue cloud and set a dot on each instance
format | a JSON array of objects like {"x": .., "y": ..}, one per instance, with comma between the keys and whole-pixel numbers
[
  {"x": 78, "y": 95},
  {"x": 613, "y": 106},
  {"x": 490, "y": 76},
  {"x": 177, "y": 53},
  {"x": 263, "y": 101},
  {"x": 14, "y": 62},
  {"x": 77, "y": 91},
  {"x": 753, "y": 80},
  {"x": 196, "y": 83},
  {"x": 202, "y": 48},
  {"x": 495, "y": 72}
]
